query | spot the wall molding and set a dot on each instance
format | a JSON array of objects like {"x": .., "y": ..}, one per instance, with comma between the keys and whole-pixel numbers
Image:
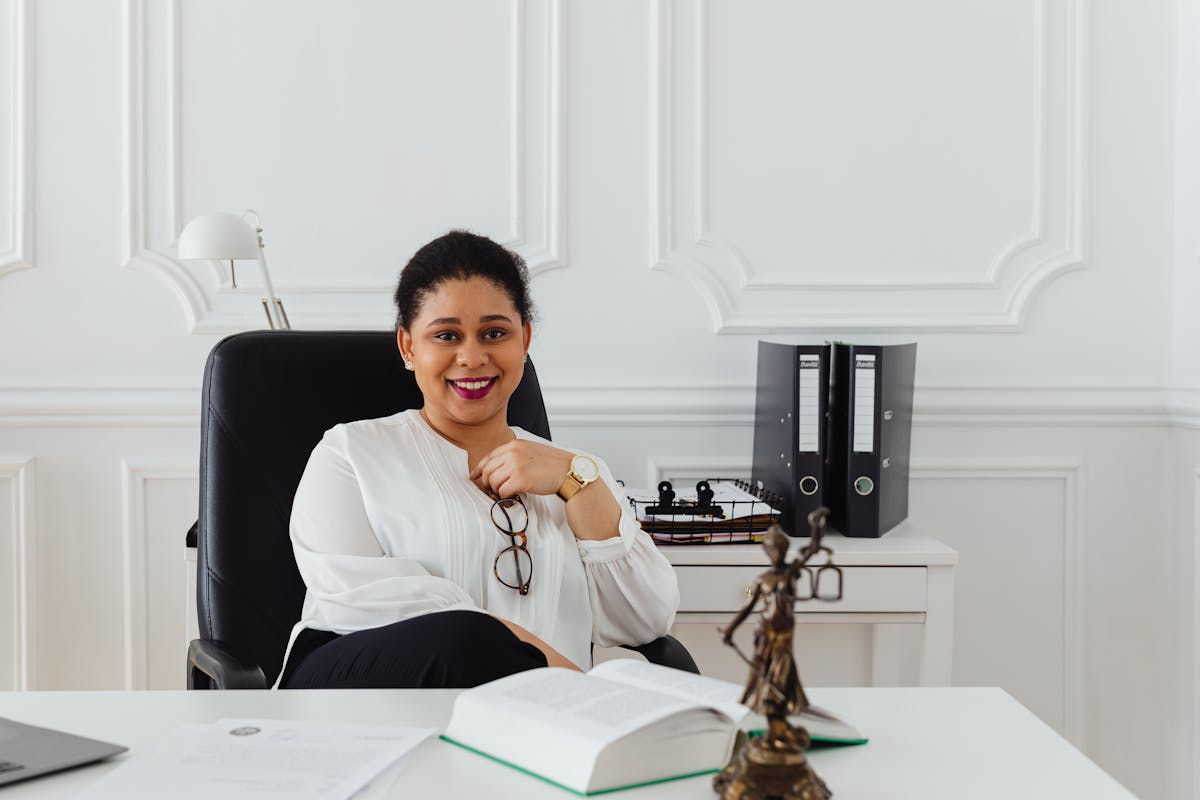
[
  {"x": 1070, "y": 474},
  {"x": 1183, "y": 405},
  {"x": 623, "y": 405},
  {"x": 135, "y": 475},
  {"x": 208, "y": 303},
  {"x": 19, "y": 472},
  {"x": 682, "y": 470},
  {"x": 728, "y": 282},
  {"x": 732, "y": 405},
  {"x": 99, "y": 406},
  {"x": 19, "y": 252},
  {"x": 1194, "y": 777}
]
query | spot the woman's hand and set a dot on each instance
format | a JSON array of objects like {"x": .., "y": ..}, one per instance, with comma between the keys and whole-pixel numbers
[
  {"x": 525, "y": 467},
  {"x": 522, "y": 467}
]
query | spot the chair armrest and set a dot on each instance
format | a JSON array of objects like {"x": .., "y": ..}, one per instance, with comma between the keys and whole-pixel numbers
[
  {"x": 212, "y": 665},
  {"x": 668, "y": 652}
]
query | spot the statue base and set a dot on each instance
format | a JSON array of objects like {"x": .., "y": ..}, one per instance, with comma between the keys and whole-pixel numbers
[{"x": 770, "y": 769}]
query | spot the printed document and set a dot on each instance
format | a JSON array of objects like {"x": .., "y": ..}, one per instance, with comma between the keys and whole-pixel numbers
[{"x": 236, "y": 758}]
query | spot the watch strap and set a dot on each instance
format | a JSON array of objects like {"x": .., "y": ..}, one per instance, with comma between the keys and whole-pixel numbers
[
  {"x": 570, "y": 486},
  {"x": 574, "y": 480}
]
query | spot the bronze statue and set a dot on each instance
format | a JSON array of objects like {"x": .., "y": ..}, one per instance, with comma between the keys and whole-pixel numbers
[{"x": 773, "y": 766}]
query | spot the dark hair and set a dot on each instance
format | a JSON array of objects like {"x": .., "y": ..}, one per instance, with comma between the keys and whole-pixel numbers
[{"x": 460, "y": 255}]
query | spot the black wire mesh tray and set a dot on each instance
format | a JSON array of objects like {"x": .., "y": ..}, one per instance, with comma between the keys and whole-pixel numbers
[{"x": 718, "y": 511}]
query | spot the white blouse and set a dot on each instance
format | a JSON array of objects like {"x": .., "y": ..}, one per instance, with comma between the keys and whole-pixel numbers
[{"x": 386, "y": 526}]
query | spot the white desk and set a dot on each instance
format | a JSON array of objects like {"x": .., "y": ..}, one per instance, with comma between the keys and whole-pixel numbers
[
  {"x": 903, "y": 577},
  {"x": 925, "y": 742}
]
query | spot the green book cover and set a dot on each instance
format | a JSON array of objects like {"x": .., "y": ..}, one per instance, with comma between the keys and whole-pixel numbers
[{"x": 568, "y": 788}]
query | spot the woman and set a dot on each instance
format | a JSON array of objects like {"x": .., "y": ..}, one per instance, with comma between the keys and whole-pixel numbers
[{"x": 443, "y": 548}]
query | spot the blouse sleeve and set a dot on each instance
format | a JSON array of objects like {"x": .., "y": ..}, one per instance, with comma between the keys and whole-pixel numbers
[
  {"x": 632, "y": 587},
  {"x": 352, "y": 583}
]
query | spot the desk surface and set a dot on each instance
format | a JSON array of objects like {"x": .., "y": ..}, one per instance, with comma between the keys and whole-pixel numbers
[
  {"x": 925, "y": 742},
  {"x": 905, "y": 545}
]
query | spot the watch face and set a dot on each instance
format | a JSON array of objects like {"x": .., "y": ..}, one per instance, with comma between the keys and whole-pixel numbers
[{"x": 585, "y": 468}]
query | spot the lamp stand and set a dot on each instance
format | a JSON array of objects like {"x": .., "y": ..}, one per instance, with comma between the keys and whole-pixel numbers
[{"x": 276, "y": 316}]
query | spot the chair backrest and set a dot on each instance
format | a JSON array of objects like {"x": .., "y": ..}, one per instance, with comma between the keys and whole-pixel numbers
[{"x": 268, "y": 398}]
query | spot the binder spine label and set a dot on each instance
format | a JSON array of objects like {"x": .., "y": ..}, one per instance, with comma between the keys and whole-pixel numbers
[
  {"x": 864, "y": 403},
  {"x": 809, "y": 423}
]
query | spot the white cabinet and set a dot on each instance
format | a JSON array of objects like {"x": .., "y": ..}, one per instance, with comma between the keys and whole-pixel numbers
[
  {"x": 904, "y": 578},
  {"x": 865, "y": 589}
]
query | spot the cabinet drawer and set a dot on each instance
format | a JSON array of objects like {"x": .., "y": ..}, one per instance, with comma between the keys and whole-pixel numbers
[{"x": 866, "y": 589}]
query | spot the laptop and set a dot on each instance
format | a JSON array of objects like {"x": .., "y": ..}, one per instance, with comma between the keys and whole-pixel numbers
[{"x": 27, "y": 751}]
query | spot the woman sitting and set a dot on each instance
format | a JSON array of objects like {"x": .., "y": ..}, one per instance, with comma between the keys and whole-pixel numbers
[{"x": 441, "y": 547}]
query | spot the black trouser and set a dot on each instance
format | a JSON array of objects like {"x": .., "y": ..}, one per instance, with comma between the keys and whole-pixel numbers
[{"x": 444, "y": 650}]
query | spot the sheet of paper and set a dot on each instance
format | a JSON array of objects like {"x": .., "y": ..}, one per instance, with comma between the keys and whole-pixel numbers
[
  {"x": 864, "y": 404},
  {"x": 808, "y": 426},
  {"x": 255, "y": 758}
]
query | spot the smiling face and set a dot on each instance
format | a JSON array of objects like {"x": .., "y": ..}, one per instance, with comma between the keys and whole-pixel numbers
[{"x": 467, "y": 344}]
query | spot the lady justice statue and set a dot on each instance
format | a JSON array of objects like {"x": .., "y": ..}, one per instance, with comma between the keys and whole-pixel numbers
[{"x": 773, "y": 766}]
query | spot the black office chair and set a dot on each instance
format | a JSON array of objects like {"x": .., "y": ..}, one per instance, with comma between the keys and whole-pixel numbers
[{"x": 268, "y": 397}]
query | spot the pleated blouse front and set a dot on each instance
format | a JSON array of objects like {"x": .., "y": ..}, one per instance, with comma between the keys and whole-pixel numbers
[{"x": 386, "y": 526}]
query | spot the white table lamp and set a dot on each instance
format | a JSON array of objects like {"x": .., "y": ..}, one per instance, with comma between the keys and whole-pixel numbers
[{"x": 228, "y": 237}]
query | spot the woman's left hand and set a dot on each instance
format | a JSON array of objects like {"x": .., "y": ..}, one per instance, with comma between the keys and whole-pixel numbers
[{"x": 522, "y": 467}]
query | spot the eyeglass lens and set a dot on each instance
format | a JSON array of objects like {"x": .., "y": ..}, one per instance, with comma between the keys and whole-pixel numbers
[
  {"x": 510, "y": 516},
  {"x": 514, "y": 567}
]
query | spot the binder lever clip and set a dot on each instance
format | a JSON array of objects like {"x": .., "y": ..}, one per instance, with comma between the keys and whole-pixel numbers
[{"x": 702, "y": 507}]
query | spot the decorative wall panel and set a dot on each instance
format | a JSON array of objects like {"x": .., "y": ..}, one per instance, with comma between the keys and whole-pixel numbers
[
  {"x": 1032, "y": 528},
  {"x": 16, "y": 136},
  {"x": 159, "y": 505},
  {"x": 1194, "y": 634},
  {"x": 356, "y": 142},
  {"x": 777, "y": 190},
  {"x": 18, "y": 628}
]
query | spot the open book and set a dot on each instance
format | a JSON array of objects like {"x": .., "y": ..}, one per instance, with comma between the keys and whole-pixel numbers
[{"x": 624, "y": 724}]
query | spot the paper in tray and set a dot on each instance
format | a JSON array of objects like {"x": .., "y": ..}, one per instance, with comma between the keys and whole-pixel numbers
[{"x": 735, "y": 512}]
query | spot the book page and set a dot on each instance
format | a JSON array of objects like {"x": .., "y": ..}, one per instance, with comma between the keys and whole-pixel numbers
[
  {"x": 821, "y": 725},
  {"x": 718, "y": 694},
  {"x": 724, "y": 696},
  {"x": 598, "y": 708}
]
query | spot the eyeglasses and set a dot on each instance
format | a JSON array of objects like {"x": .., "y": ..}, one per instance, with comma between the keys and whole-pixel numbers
[{"x": 513, "y": 565}]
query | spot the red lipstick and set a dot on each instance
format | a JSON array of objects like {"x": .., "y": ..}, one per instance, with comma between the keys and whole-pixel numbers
[{"x": 475, "y": 392}]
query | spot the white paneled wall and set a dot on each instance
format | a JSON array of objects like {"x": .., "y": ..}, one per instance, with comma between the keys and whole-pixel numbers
[
  {"x": 481, "y": 144},
  {"x": 18, "y": 537},
  {"x": 159, "y": 502},
  {"x": 16, "y": 145},
  {"x": 1010, "y": 184},
  {"x": 1032, "y": 537},
  {"x": 799, "y": 93}
]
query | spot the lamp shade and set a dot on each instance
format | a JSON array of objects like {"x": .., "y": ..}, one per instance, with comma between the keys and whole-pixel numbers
[{"x": 219, "y": 235}]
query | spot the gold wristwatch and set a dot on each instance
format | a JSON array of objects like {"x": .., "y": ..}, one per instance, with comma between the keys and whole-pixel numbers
[{"x": 583, "y": 471}]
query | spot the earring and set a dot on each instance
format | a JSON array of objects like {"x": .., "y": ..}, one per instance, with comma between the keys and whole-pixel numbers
[{"x": 408, "y": 365}]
